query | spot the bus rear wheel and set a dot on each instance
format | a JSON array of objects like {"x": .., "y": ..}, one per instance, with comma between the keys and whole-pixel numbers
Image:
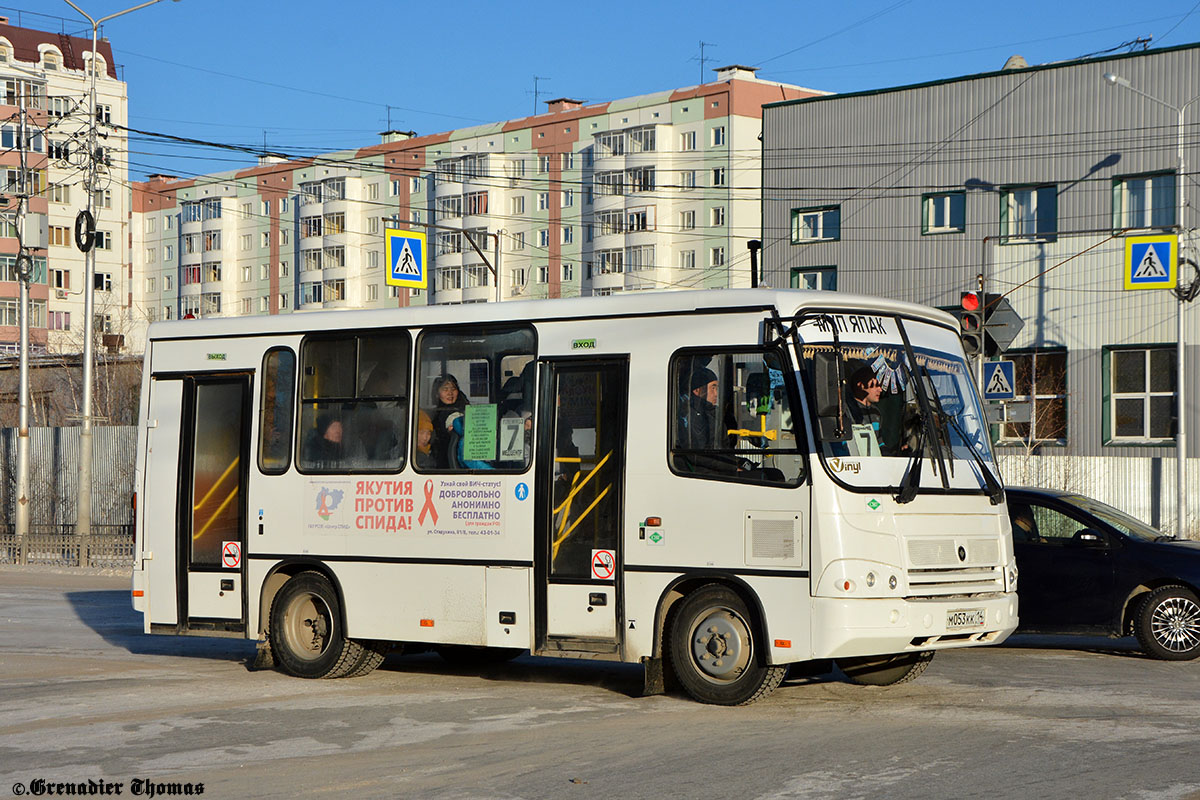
[
  {"x": 715, "y": 649},
  {"x": 306, "y": 630},
  {"x": 885, "y": 670}
]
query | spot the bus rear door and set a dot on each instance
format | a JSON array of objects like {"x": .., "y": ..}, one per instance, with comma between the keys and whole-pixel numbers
[{"x": 211, "y": 521}]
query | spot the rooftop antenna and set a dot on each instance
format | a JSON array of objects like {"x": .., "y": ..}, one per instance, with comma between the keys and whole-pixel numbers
[
  {"x": 536, "y": 78},
  {"x": 702, "y": 58}
]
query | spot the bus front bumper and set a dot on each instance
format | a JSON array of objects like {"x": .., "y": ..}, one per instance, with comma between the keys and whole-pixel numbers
[{"x": 846, "y": 627}]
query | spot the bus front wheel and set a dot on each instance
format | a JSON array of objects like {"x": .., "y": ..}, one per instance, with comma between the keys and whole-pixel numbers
[
  {"x": 885, "y": 670},
  {"x": 306, "y": 629},
  {"x": 715, "y": 649}
]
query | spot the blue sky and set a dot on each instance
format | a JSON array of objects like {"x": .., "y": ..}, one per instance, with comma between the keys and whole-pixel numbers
[{"x": 314, "y": 77}]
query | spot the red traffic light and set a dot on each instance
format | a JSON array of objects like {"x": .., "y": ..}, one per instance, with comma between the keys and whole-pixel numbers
[{"x": 969, "y": 301}]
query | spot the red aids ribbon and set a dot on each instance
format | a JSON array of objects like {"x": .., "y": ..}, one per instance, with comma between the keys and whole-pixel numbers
[{"x": 428, "y": 506}]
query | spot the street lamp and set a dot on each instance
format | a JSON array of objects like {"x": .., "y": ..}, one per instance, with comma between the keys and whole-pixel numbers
[
  {"x": 1112, "y": 79},
  {"x": 83, "y": 512}
]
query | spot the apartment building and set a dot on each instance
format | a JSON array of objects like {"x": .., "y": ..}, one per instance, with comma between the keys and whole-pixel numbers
[
  {"x": 659, "y": 191},
  {"x": 49, "y": 75},
  {"x": 1033, "y": 179}
]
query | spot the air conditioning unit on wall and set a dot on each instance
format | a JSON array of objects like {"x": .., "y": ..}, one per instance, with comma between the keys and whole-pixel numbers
[{"x": 61, "y": 294}]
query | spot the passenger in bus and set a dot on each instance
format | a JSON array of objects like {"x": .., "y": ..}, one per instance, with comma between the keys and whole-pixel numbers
[
  {"x": 323, "y": 446},
  {"x": 424, "y": 455},
  {"x": 866, "y": 390},
  {"x": 448, "y": 401},
  {"x": 376, "y": 419},
  {"x": 698, "y": 425}
]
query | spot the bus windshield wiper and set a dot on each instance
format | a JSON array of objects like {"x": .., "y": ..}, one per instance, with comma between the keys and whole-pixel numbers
[
  {"x": 907, "y": 490},
  {"x": 990, "y": 483}
]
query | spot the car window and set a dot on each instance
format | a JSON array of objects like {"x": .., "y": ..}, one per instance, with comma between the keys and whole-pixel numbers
[{"x": 1053, "y": 526}]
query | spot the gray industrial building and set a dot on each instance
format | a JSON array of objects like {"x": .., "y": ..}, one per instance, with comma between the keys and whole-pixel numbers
[{"x": 1033, "y": 177}]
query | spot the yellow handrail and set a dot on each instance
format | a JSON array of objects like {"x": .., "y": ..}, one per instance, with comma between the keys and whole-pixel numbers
[
  {"x": 215, "y": 514},
  {"x": 563, "y": 537},
  {"x": 218, "y": 482}
]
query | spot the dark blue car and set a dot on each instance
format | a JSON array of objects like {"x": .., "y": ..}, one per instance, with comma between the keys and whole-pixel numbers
[{"x": 1086, "y": 567}]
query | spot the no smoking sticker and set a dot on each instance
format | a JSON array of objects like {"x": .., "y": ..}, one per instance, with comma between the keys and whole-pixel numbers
[
  {"x": 231, "y": 554},
  {"x": 604, "y": 564}
]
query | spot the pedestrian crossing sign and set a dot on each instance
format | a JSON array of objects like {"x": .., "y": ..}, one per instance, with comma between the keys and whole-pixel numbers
[
  {"x": 999, "y": 380},
  {"x": 405, "y": 252},
  {"x": 1151, "y": 262}
]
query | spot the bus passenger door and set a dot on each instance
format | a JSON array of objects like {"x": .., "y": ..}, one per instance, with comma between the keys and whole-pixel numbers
[
  {"x": 580, "y": 478},
  {"x": 212, "y": 518}
]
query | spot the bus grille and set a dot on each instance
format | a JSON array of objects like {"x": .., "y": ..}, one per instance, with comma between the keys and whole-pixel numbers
[{"x": 959, "y": 581}]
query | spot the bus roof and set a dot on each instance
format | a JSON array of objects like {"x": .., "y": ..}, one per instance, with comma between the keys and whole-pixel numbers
[{"x": 788, "y": 301}]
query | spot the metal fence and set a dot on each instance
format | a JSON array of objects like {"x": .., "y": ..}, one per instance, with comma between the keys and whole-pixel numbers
[{"x": 53, "y": 480}]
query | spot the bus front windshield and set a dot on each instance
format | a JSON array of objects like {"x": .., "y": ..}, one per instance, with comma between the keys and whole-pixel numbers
[{"x": 900, "y": 404}]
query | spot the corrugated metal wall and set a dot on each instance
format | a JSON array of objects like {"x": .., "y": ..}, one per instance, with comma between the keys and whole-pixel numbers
[
  {"x": 54, "y": 473},
  {"x": 876, "y": 154}
]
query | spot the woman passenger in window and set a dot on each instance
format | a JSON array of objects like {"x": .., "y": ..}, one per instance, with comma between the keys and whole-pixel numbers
[
  {"x": 424, "y": 455},
  {"x": 448, "y": 401}
]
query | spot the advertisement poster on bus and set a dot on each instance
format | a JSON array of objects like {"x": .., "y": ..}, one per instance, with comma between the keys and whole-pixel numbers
[{"x": 450, "y": 506}]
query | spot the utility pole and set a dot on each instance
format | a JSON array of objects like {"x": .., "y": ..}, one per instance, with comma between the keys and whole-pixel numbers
[
  {"x": 83, "y": 511},
  {"x": 24, "y": 264}
]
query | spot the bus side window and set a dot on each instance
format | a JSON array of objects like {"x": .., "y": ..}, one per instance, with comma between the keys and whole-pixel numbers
[
  {"x": 731, "y": 418},
  {"x": 354, "y": 402},
  {"x": 476, "y": 397},
  {"x": 275, "y": 411}
]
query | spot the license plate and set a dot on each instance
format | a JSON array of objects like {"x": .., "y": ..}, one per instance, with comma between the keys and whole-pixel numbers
[{"x": 966, "y": 618}]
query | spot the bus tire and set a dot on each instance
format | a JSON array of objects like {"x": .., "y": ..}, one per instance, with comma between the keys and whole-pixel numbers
[
  {"x": 887, "y": 670},
  {"x": 306, "y": 629},
  {"x": 715, "y": 649},
  {"x": 370, "y": 655}
]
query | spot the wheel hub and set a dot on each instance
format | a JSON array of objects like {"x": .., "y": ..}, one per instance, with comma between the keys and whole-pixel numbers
[
  {"x": 719, "y": 646},
  {"x": 1176, "y": 624}
]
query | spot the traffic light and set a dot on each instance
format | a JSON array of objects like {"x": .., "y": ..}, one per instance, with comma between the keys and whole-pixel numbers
[{"x": 970, "y": 322}]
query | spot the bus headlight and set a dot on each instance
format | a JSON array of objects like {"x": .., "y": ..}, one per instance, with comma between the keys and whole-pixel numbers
[
  {"x": 1010, "y": 577},
  {"x": 858, "y": 578}
]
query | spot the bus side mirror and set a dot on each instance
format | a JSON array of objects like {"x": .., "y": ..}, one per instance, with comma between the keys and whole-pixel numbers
[{"x": 832, "y": 423}]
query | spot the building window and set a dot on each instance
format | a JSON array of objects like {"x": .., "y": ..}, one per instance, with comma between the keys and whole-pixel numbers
[
  {"x": 104, "y": 240},
  {"x": 568, "y": 272},
  {"x": 568, "y": 198},
  {"x": 59, "y": 236},
  {"x": 544, "y": 238},
  {"x": 265, "y": 239},
  {"x": 247, "y": 305},
  {"x": 543, "y": 201},
  {"x": 62, "y": 194},
  {"x": 943, "y": 213},
  {"x": 687, "y": 140},
  {"x": 372, "y": 291},
  {"x": 687, "y": 259},
  {"x": 816, "y": 224},
  {"x": 168, "y": 283},
  {"x": 102, "y": 281},
  {"x": 637, "y": 220},
  {"x": 264, "y": 272},
  {"x": 544, "y": 163},
  {"x": 718, "y": 136},
  {"x": 1029, "y": 214},
  {"x": 718, "y": 176},
  {"x": 823, "y": 278},
  {"x": 283, "y": 269},
  {"x": 518, "y": 240},
  {"x": 247, "y": 241},
  {"x": 687, "y": 179},
  {"x": 1041, "y": 381},
  {"x": 718, "y": 216},
  {"x": 568, "y": 234},
  {"x": 543, "y": 274},
  {"x": 687, "y": 220},
  {"x": 716, "y": 257},
  {"x": 516, "y": 205},
  {"x": 61, "y": 279},
  {"x": 247, "y": 273},
  {"x": 168, "y": 252},
  {"x": 1144, "y": 201},
  {"x": 568, "y": 160},
  {"x": 1140, "y": 395}
]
